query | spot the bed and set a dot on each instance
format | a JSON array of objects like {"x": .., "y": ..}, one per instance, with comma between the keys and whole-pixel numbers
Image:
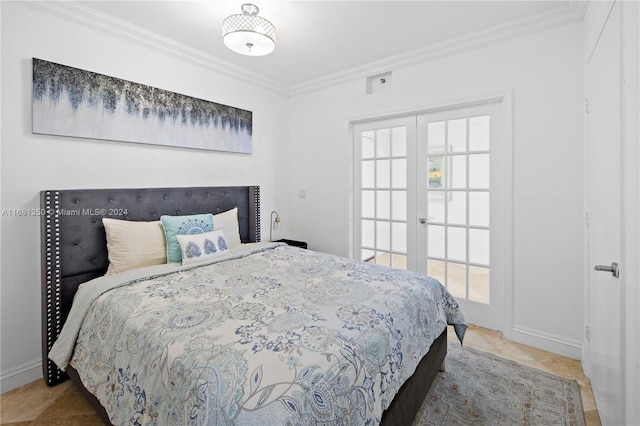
[{"x": 266, "y": 333}]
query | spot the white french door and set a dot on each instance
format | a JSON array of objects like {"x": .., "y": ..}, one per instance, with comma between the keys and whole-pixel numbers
[
  {"x": 386, "y": 192},
  {"x": 428, "y": 197},
  {"x": 460, "y": 204}
]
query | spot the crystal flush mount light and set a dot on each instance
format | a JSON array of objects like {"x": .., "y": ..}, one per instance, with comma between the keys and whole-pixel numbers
[{"x": 248, "y": 33}]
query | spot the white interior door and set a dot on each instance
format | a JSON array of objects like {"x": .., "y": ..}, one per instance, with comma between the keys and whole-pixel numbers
[
  {"x": 604, "y": 224},
  {"x": 461, "y": 207}
]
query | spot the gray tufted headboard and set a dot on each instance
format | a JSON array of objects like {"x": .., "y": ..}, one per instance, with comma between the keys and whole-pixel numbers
[{"x": 74, "y": 248}]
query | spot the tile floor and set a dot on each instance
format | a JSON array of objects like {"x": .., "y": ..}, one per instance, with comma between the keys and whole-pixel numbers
[{"x": 36, "y": 404}]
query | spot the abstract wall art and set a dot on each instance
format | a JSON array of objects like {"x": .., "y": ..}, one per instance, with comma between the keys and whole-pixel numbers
[{"x": 73, "y": 102}]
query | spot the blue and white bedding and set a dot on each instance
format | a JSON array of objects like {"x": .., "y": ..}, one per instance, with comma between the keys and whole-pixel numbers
[{"x": 270, "y": 335}]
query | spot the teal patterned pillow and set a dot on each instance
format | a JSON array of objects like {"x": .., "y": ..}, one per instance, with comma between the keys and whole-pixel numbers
[
  {"x": 202, "y": 247},
  {"x": 183, "y": 225}
]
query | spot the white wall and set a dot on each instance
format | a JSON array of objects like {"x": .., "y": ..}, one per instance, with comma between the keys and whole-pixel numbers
[
  {"x": 31, "y": 163},
  {"x": 545, "y": 72}
]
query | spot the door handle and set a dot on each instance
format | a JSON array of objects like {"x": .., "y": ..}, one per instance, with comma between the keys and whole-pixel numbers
[
  {"x": 423, "y": 220},
  {"x": 615, "y": 271}
]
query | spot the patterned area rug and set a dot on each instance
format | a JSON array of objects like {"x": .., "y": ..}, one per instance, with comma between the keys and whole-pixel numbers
[{"x": 479, "y": 388}]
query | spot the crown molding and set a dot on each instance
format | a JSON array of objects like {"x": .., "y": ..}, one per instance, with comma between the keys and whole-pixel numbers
[
  {"x": 573, "y": 11},
  {"x": 96, "y": 20}
]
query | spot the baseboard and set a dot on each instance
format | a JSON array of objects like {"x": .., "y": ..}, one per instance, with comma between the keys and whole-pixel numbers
[
  {"x": 21, "y": 375},
  {"x": 548, "y": 342}
]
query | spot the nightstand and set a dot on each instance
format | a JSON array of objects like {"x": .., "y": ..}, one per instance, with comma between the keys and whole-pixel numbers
[{"x": 293, "y": 243}]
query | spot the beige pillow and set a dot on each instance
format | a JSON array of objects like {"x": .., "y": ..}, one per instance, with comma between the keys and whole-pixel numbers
[
  {"x": 228, "y": 221},
  {"x": 134, "y": 245}
]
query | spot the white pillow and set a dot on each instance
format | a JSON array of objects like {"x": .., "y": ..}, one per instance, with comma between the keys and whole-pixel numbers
[
  {"x": 202, "y": 247},
  {"x": 132, "y": 245},
  {"x": 228, "y": 221}
]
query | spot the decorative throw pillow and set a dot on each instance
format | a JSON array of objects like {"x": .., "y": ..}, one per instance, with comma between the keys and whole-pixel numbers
[
  {"x": 183, "y": 225},
  {"x": 133, "y": 245},
  {"x": 202, "y": 247},
  {"x": 228, "y": 221}
]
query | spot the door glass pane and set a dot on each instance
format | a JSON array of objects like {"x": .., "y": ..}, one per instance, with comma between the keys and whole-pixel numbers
[
  {"x": 458, "y": 171},
  {"x": 383, "y": 205},
  {"x": 457, "y": 244},
  {"x": 399, "y": 237},
  {"x": 383, "y": 143},
  {"x": 368, "y": 147},
  {"x": 399, "y": 205},
  {"x": 479, "y": 132},
  {"x": 437, "y": 171},
  {"x": 399, "y": 141},
  {"x": 367, "y": 255},
  {"x": 436, "y": 269},
  {"x": 435, "y": 135},
  {"x": 457, "y": 208},
  {"x": 399, "y": 173},
  {"x": 368, "y": 233},
  {"x": 479, "y": 208},
  {"x": 368, "y": 174},
  {"x": 457, "y": 135},
  {"x": 436, "y": 241},
  {"x": 383, "y": 258},
  {"x": 457, "y": 279},
  {"x": 479, "y": 171},
  {"x": 398, "y": 261},
  {"x": 479, "y": 289},
  {"x": 436, "y": 206},
  {"x": 368, "y": 198},
  {"x": 383, "y": 234},
  {"x": 383, "y": 174},
  {"x": 479, "y": 246}
]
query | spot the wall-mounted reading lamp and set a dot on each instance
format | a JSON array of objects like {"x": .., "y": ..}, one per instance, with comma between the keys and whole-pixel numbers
[{"x": 277, "y": 220}]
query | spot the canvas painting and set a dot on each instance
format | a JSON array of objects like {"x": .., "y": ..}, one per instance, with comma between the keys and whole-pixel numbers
[{"x": 69, "y": 101}]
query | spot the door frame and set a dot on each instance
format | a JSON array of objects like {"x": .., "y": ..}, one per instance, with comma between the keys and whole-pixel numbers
[
  {"x": 505, "y": 99},
  {"x": 631, "y": 206}
]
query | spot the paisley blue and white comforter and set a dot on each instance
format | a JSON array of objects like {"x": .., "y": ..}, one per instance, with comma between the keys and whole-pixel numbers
[{"x": 272, "y": 335}]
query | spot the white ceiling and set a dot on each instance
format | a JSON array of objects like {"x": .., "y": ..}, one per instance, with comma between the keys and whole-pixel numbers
[{"x": 316, "y": 39}]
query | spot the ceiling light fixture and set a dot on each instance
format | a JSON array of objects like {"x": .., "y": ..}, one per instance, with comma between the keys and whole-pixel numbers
[{"x": 248, "y": 33}]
